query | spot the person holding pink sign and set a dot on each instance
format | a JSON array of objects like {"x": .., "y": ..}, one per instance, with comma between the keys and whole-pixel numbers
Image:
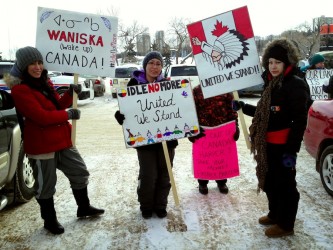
[
  {"x": 154, "y": 181},
  {"x": 212, "y": 112},
  {"x": 276, "y": 133}
]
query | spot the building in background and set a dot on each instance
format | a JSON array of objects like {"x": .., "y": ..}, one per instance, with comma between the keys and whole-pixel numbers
[
  {"x": 143, "y": 44},
  {"x": 159, "y": 40},
  {"x": 326, "y": 33}
]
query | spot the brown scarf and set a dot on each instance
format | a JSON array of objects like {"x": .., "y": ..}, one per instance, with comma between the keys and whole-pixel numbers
[{"x": 258, "y": 131}]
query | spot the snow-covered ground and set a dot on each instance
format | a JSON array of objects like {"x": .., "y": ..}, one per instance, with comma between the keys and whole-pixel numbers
[{"x": 214, "y": 221}]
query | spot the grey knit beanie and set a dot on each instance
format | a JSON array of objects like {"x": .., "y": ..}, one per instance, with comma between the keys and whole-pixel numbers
[
  {"x": 152, "y": 55},
  {"x": 27, "y": 55}
]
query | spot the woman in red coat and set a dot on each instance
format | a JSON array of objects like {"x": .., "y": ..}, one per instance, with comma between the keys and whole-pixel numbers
[{"x": 47, "y": 136}]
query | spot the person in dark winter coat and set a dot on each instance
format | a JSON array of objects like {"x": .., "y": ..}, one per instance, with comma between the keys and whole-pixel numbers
[
  {"x": 328, "y": 88},
  {"x": 47, "y": 136},
  {"x": 315, "y": 62},
  {"x": 213, "y": 112},
  {"x": 276, "y": 134},
  {"x": 154, "y": 181}
]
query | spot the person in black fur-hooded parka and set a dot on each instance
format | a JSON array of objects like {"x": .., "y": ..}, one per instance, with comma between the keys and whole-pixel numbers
[{"x": 276, "y": 133}]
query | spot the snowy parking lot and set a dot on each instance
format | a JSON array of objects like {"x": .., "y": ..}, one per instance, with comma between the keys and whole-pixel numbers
[{"x": 214, "y": 221}]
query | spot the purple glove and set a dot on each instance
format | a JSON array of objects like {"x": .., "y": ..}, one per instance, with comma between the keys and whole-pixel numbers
[
  {"x": 289, "y": 160},
  {"x": 237, "y": 105}
]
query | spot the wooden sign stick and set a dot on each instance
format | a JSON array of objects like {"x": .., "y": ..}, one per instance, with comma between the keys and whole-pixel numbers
[
  {"x": 242, "y": 121},
  {"x": 74, "y": 105}
]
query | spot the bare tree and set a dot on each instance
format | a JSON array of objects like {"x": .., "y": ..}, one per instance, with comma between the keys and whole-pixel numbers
[
  {"x": 179, "y": 37},
  {"x": 306, "y": 37},
  {"x": 127, "y": 36}
]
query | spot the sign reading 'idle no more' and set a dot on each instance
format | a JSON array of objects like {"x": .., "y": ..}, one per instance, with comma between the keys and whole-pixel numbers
[{"x": 157, "y": 112}]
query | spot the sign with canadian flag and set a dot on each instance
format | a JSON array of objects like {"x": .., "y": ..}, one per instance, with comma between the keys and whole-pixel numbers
[
  {"x": 77, "y": 42},
  {"x": 225, "y": 52}
]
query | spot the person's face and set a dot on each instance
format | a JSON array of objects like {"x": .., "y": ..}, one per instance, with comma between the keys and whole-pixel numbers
[
  {"x": 320, "y": 65},
  {"x": 153, "y": 69},
  {"x": 275, "y": 67},
  {"x": 35, "y": 69},
  {"x": 216, "y": 56}
]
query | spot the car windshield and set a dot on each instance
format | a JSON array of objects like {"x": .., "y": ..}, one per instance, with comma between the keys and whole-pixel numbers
[
  {"x": 184, "y": 71},
  {"x": 124, "y": 72},
  {"x": 5, "y": 69}
]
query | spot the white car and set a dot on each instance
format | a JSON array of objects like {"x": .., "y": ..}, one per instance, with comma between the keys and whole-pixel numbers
[
  {"x": 97, "y": 82},
  {"x": 123, "y": 74},
  {"x": 183, "y": 71},
  {"x": 62, "y": 81}
]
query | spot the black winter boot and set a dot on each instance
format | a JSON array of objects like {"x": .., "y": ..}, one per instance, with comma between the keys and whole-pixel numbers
[
  {"x": 48, "y": 213},
  {"x": 84, "y": 208}
]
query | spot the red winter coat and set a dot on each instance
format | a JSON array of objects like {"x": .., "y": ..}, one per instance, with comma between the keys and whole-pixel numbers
[{"x": 46, "y": 129}]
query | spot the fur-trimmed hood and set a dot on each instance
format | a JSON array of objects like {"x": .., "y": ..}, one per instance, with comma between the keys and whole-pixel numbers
[
  {"x": 292, "y": 51},
  {"x": 11, "y": 80}
]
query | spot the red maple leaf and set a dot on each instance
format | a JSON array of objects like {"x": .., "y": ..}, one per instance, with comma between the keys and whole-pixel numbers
[{"x": 219, "y": 29}]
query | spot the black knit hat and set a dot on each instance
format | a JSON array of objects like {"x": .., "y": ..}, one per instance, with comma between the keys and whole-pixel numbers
[
  {"x": 152, "y": 55},
  {"x": 27, "y": 55},
  {"x": 279, "y": 53}
]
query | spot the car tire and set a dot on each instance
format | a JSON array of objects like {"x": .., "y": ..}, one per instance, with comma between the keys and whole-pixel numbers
[
  {"x": 24, "y": 179},
  {"x": 61, "y": 91},
  {"x": 326, "y": 169}
]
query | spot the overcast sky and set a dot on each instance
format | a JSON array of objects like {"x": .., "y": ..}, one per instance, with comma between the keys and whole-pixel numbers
[{"x": 18, "y": 18}]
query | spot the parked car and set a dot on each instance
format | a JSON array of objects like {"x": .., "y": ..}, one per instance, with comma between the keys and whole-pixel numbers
[
  {"x": 5, "y": 67},
  {"x": 256, "y": 89},
  {"x": 61, "y": 82},
  {"x": 123, "y": 74},
  {"x": 16, "y": 175},
  {"x": 318, "y": 140},
  {"x": 97, "y": 82},
  {"x": 183, "y": 71}
]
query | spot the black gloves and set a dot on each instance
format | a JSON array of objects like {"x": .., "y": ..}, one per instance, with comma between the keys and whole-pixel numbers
[
  {"x": 73, "y": 114},
  {"x": 237, "y": 105},
  {"x": 289, "y": 160},
  {"x": 198, "y": 136},
  {"x": 119, "y": 117},
  {"x": 74, "y": 87},
  {"x": 236, "y": 134}
]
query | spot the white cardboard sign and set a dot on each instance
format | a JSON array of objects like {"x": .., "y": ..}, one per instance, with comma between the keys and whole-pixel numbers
[
  {"x": 157, "y": 112},
  {"x": 77, "y": 42}
]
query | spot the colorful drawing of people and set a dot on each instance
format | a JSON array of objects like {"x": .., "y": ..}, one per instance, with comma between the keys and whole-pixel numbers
[
  {"x": 150, "y": 137},
  {"x": 187, "y": 130},
  {"x": 167, "y": 132},
  {"x": 177, "y": 132},
  {"x": 159, "y": 135},
  {"x": 131, "y": 138},
  {"x": 140, "y": 139}
]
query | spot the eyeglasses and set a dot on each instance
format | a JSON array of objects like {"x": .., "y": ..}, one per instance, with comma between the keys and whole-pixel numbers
[{"x": 151, "y": 64}]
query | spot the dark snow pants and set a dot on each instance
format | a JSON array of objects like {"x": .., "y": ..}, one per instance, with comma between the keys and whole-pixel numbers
[
  {"x": 280, "y": 187},
  {"x": 69, "y": 161},
  {"x": 154, "y": 181}
]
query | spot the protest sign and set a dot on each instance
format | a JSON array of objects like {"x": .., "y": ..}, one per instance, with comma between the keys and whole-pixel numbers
[
  {"x": 316, "y": 78},
  {"x": 225, "y": 52},
  {"x": 77, "y": 42},
  {"x": 157, "y": 112},
  {"x": 215, "y": 155}
]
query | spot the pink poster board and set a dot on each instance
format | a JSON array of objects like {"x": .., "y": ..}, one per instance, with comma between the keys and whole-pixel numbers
[{"x": 215, "y": 155}]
